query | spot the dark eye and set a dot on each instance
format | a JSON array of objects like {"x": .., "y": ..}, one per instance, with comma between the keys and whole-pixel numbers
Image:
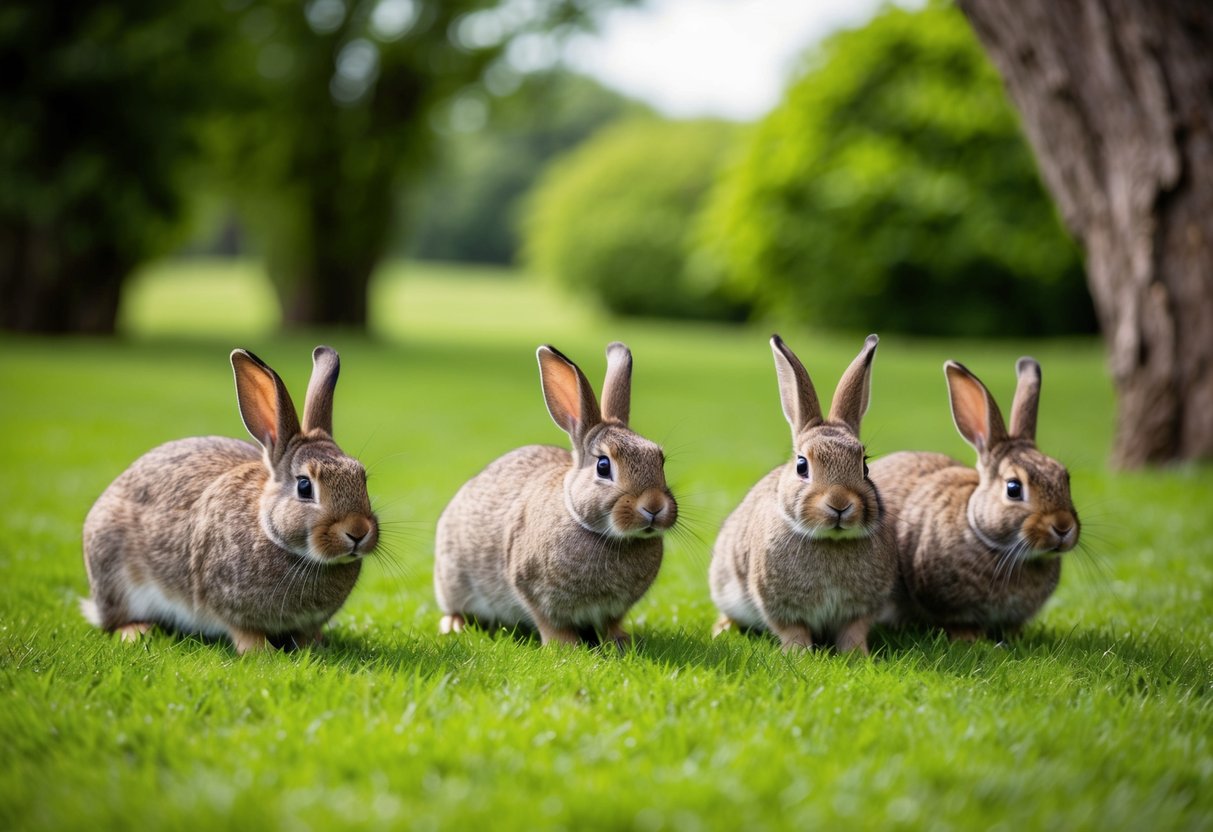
[
  {"x": 604, "y": 467},
  {"x": 802, "y": 466},
  {"x": 1015, "y": 489},
  {"x": 303, "y": 486}
]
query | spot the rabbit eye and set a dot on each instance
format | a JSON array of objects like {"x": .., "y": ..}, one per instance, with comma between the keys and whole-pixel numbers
[
  {"x": 604, "y": 467},
  {"x": 802, "y": 466},
  {"x": 1015, "y": 489},
  {"x": 303, "y": 487}
]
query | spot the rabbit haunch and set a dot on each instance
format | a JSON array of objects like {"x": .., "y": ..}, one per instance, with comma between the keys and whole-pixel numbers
[
  {"x": 563, "y": 542},
  {"x": 217, "y": 536}
]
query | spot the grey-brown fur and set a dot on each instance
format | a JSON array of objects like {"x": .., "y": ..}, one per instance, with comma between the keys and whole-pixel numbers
[
  {"x": 540, "y": 539},
  {"x": 972, "y": 560},
  {"x": 210, "y": 534},
  {"x": 785, "y": 560}
]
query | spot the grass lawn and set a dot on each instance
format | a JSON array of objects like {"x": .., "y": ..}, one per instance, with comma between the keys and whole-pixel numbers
[{"x": 1100, "y": 717}]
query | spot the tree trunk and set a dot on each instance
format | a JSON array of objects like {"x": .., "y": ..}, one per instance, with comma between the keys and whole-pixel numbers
[
  {"x": 1117, "y": 100},
  {"x": 43, "y": 291}
]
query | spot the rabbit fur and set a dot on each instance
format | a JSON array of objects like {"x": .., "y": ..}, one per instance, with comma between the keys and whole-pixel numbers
[
  {"x": 221, "y": 537},
  {"x": 979, "y": 548},
  {"x": 807, "y": 554},
  {"x": 558, "y": 541}
]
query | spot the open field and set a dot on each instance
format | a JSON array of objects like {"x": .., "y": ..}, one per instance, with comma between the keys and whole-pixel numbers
[{"x": 1101, "y": 717}]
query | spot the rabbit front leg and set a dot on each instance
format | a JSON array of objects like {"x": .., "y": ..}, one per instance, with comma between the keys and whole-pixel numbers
[
  {"x": 793, "y": 636},
  {"x": 550, "y": 633},
  {"x": 247, "y": 641},
  {"x": 854, "y": 636},
  {"x": 617, "y": 634},
  {"x": 134, "y": 631},
  {"x": 964, "y": 633},
  {"x": 307, "y": 638}
]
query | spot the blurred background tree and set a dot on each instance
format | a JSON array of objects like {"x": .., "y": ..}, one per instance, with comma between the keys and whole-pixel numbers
[
  {"x": 469, "y": 207},
  {"x": 612, "y": 219},
  {"x": 352, "y": 89},
  {"x": 99, "y": 121},
  {"x": 892, "y": 190},
  {"x": 315, "y": 115}
]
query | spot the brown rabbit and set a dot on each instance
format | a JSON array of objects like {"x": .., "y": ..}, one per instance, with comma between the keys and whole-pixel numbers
[
  {"x": 979, "y": 550},
  {"x": 224, "y": 538},
  {"x": 807, "y": 554},
  {"x": 562, "y": 542}
]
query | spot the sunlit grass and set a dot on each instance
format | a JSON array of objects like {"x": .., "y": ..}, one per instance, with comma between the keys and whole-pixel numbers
[{"x": 1099, "y": 718}]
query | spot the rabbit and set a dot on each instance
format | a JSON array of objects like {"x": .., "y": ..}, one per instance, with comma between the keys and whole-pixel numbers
[
  {"x": 220, "y": 537},
  {"x": 979, "y": 549},
  {"x": 808, "y": 554},
  {"x": 559, "y": 542}
]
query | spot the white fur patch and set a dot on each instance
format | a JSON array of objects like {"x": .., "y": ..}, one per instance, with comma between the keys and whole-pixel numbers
[
  {"x": 147, "y": 602},
  {"x": 88, "y": 608},
  {"x": 734, "y": 601}
]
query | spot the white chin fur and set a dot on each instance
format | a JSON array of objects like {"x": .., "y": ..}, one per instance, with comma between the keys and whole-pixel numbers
[
  {"x": 822, "y": 532},
  {"x": 853, "y": 533}
]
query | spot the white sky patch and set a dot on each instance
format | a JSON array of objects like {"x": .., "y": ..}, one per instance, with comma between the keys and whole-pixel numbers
[{"x": 727, "y": 58}]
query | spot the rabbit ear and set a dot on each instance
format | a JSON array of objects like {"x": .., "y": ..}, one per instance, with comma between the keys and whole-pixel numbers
[
  {"x": 617, "y": 388},
  {"x": 265, "y": 406},
  {"x": 568, "y": 394},
  {"x": 854, "y": 389},
  {"x": 318, "y": 406},
  {"x": 973, "y": 408},
  {"x": 1027, "y": 399},
  {"x": 796, "y": 393}
]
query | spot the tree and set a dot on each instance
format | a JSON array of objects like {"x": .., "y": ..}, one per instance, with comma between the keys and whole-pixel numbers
[
  {"x": 351, "y": 90},
  {"x": 1117, "y": 101},
  {"x": 891, "y": 189},
  {"x": 100, "y": 111},
  {"x": 469, "y": 206}
]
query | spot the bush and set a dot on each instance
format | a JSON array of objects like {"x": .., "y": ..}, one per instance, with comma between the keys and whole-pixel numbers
[
  {"x": 892, "y": 190},
  {"x": 612, "y": 219}
]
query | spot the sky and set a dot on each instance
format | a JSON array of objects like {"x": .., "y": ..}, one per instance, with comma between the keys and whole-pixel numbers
[{"x": 727, "y": 58}]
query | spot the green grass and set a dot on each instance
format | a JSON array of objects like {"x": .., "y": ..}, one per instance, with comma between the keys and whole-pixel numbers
[{"x": 1099, "y": 718}]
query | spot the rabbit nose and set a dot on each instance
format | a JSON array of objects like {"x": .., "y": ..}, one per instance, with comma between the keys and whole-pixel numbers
[
  {"x": 841, "y": 512},
  {"x": 356, "y": 538}
]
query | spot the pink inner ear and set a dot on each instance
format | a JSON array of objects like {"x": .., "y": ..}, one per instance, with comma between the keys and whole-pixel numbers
[
  {"x": 258, "y": 402},
  {"x": 566, "y": 397},
  {"x": 972, "y": 412},
  {"x": 562, "y": 393}
]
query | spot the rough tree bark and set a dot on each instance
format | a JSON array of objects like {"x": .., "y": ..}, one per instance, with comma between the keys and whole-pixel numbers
[{"x": 1117, "y": 101}]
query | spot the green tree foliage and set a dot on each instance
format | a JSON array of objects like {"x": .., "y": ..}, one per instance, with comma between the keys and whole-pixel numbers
[
  {"x": 319, "y": 111},
  {"x": 892, "y": 190},
  {"x": 469, "y": 207},
  {"x": 350, "y": 92},
  {"x": 98, "y": 125},
  {"x": 611, "y": 219}
]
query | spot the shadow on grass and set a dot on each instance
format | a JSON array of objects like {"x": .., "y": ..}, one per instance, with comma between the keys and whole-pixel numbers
[{"x": 1135, "y": 665}]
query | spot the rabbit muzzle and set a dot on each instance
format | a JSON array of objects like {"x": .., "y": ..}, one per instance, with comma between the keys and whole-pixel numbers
[
  {"x": 1051, "y": 533},
  {"x": 835, "y": 514},
  {"x": 347, "y": 539},
  {"x": 649, "y": 514}
]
